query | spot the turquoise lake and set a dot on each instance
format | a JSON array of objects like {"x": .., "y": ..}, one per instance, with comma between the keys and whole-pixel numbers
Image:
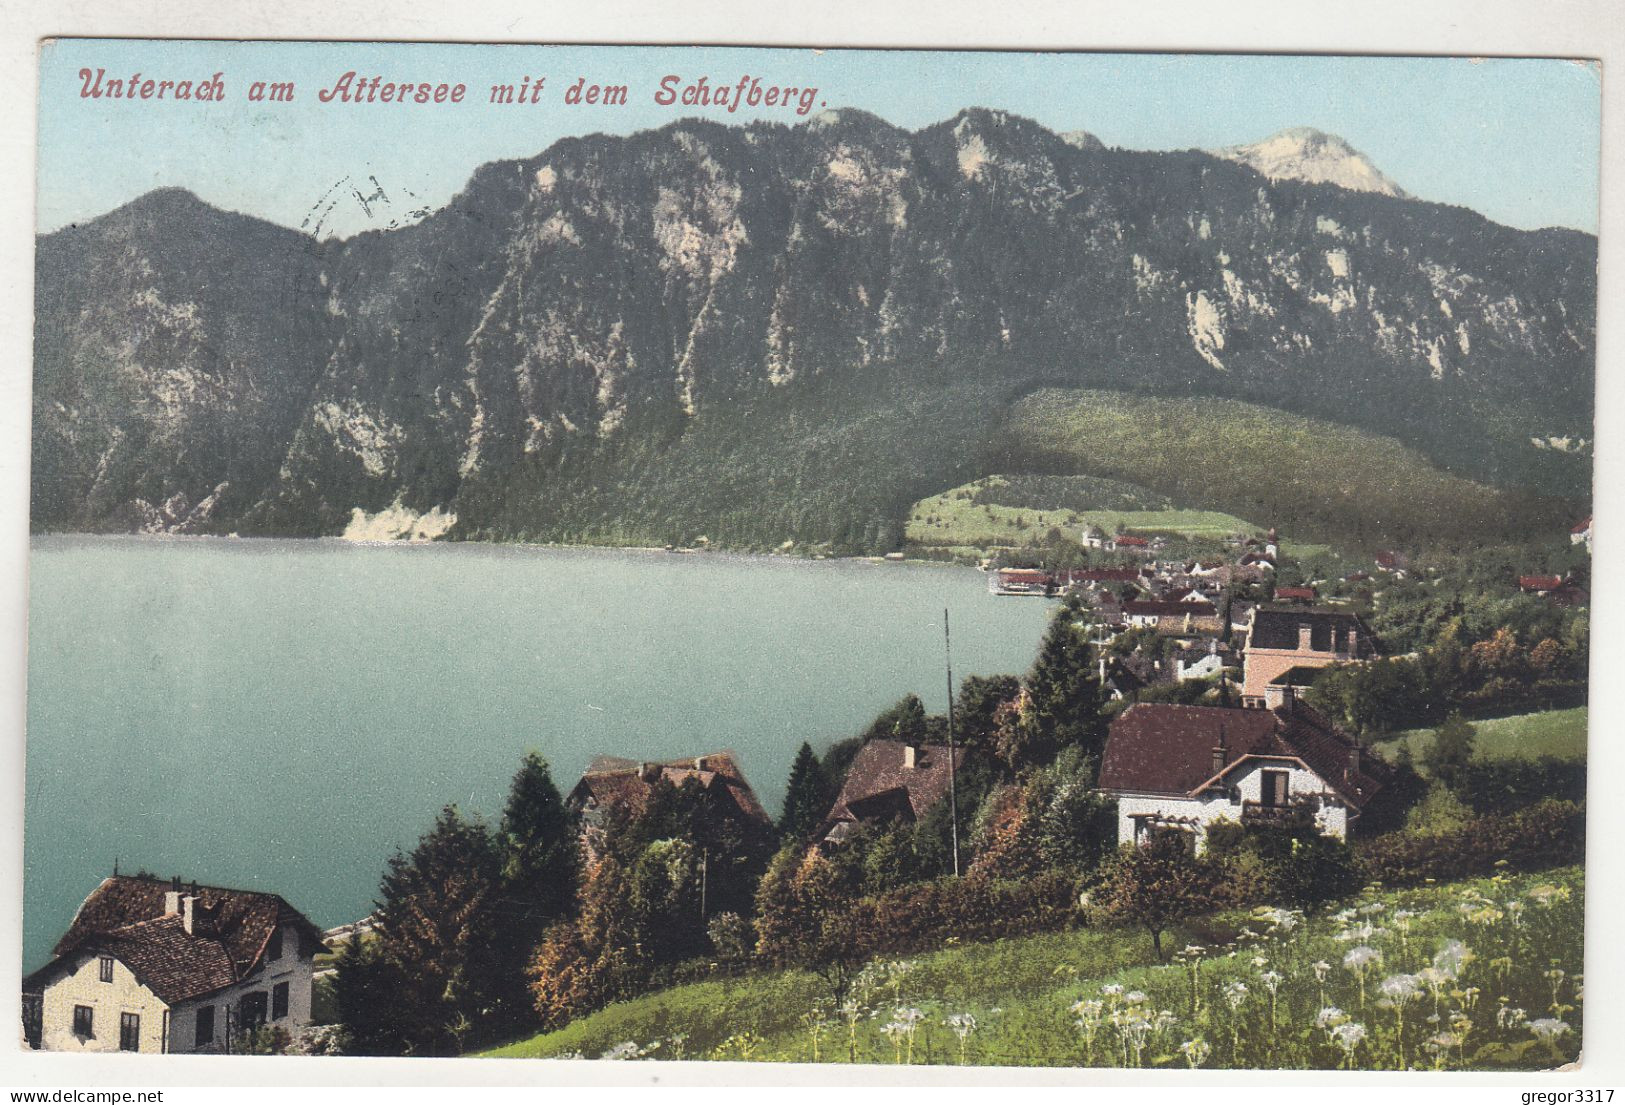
[{"x": 283, "y": 715}]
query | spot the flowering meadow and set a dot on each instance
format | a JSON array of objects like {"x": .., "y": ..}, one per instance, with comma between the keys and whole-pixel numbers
[{"x": 1482, "y": 974}]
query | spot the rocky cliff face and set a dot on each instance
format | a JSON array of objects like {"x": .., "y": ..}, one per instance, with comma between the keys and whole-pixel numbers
[
  {"x": 570, "y": 320},
  {"x": 1314, "y": 157}
]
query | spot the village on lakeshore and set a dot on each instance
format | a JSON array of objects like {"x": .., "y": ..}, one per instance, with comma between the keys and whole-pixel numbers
[
  {"x": 829, "y": 557},
  {"x": 1195, "y": 735}
]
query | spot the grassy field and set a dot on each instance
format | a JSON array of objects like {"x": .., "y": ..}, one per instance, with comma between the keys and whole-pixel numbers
[
  {"x": 1560, "y": 733},
  {"x": 1480, "y": 974},
  {"x": 956, "y": 519},
  {"x": 1317, "y": 481}
]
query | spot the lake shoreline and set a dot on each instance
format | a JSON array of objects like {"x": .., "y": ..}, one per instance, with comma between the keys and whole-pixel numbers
[
  {"x": 284, "y": 713},
  {"x": 334, "y": 541}
]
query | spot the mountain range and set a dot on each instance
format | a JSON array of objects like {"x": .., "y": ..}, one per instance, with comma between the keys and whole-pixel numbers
[{"x": 769, "y": 334}]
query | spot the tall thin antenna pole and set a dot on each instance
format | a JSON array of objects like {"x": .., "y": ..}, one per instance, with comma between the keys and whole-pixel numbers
[{"x": 953, "y": 783}]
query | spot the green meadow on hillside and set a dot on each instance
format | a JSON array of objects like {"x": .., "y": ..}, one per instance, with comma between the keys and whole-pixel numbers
[
  {"x": 1479, "y": 974},
  {"x": 980, "y": 515},
  {"x": 1313, "y": 479},
  {"x": 1560, "y": 733}
]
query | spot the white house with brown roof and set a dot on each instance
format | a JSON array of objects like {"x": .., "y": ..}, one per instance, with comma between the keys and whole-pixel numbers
[
  {"x": 152, "y": 966},
  {"x": 1183, "y": 768}
]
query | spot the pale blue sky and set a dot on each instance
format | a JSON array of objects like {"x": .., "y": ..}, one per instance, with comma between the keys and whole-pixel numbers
[{"x": 1514, "y": 139}]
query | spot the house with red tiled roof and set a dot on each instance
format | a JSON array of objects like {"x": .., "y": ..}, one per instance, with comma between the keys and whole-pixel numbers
[
  {"x": 1391, "y": 560},
  {"x": 150, "y": 965},
  {"x": 612, "y": 784},
  {"x": 1148, "y": 612},
  {"x": 1020, "y": 581},
  {"x": 1183, "y": 768},
  {"x": 890, "y": 780},
  {"x": 1581, "y": 534},
  {"x": 1539, "y": 585},
  {"x": 1295, "y": 594}
]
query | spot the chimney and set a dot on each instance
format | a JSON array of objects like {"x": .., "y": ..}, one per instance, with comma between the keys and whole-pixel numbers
[
  {"x": 188, "y": 912},
  {"x": 1354, "y": 762},
  {"x": 1304, "y": 632},
  {"x": 908, "y": 757},
  {"x": 1221, "y": 754},
  {"x": 699, "y": 763},
  {"x": 648, "y": 772},
  {"x": 172, "y": 902}
]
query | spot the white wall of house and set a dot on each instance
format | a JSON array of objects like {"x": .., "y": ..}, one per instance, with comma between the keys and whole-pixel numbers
[
  {"x": 126, "y": 994},
  {"x": 1245, "y": 784},
  {"x": 82, "y": 985},
  {"x": 290, "y": 967}
]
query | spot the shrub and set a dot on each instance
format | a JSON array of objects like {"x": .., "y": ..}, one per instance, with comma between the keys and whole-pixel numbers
[
  {"x": 1501, "y": 786},
  {"x": 1314, "y": 869},
  {"x": 1299, "y": 867},
  {"x": 731, "y": 936},
  {"x": 926, "y": 914},
  {"x": 1550, "y": 833},
  {"x": 565, "y": 980},
  {"x": 1440, "y": 813}
]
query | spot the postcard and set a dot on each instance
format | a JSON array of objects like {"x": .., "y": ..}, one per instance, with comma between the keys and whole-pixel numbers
[{"x": 851, "y": 557}]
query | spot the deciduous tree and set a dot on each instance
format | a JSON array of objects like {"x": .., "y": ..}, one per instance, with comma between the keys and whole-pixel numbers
[{"x": 1154, "y": 886}]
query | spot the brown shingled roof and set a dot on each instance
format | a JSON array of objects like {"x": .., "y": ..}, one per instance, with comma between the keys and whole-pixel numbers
[
  {"x": 124, "y": 917},
  {"x": 878, "y": 786},
  {"x": 174, "y": 964},
  {"x": 616, "y": 781},
  {"x": 1154, "y": 748}
]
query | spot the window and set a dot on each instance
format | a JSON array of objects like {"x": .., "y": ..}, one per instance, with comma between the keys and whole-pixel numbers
[
  {"x": 129, "y": 1032},
  {"x": 279, "y": 1001},
  {"x": 107, "y": 968},
  {"x": 251, "y": 1011},
  {"x": 83, "y": 1021},
  {"x": 1275, "y": 788},
  {"x": 205, "y": 1026},
  {"x": 273, "y": 950}
]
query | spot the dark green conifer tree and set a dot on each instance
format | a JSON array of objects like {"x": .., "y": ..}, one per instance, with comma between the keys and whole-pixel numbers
[
  {"x": 806, "y": 798},
  {"x": 540, "y": 854},
  {"x": 1063, "y": 691},
  {"x": 436, "y": 919}
]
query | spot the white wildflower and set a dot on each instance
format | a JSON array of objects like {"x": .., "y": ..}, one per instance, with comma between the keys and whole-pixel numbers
[
  {"x": 1348, "y": 1036},
  {"x": 1548, "y": 1028},
  {"x": 1361, "y": 957}
]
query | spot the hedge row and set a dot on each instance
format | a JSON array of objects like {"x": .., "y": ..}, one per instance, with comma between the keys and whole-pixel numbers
[
  {"x": 1505, "y": 786},
  {"x": 1548, "y": 834},
  {"x": 923, "y": 916}
]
